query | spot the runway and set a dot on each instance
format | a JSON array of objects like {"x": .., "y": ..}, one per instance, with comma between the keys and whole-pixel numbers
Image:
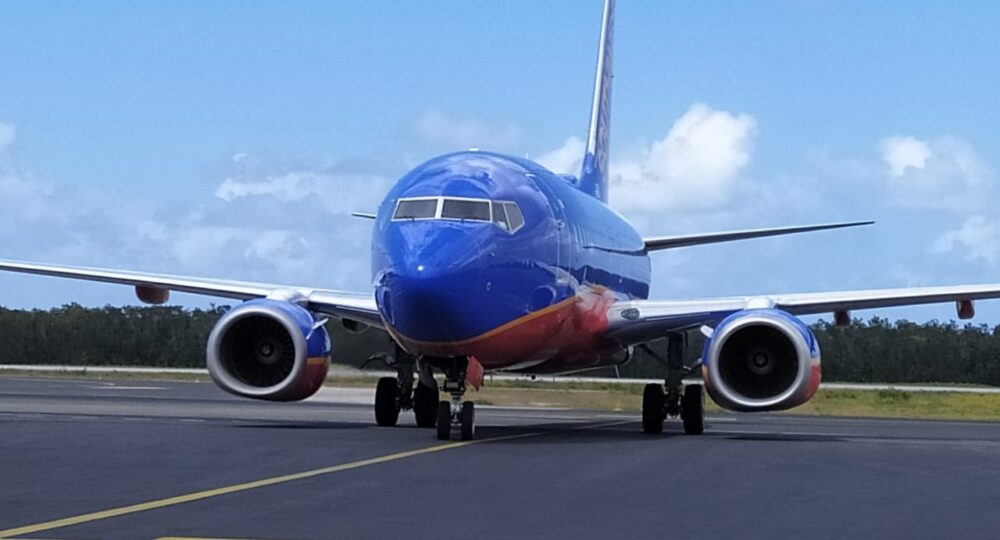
[{"x": 86, "y": 459}]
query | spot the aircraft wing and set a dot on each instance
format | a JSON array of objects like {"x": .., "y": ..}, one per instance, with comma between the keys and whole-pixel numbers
[
  {"x": 353, "y": 306},
  {"x": 672, "y": 242},
  {"x": 636, "y": 321}
]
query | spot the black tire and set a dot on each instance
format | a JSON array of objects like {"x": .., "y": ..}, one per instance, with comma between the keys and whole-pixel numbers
[
  {"x": 387, "y": 402},
  {"x": 425, "y": 405},
  {"x": 653, "y": 411},
  {"x": 444, "y": 420},
  {"x": 468, "y": 419},
  {"x": 693, "y": 409}
]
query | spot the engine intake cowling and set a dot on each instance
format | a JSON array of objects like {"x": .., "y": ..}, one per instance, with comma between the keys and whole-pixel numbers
[
  {"x": 267, "y": 349},
  {"x": 761, "y": 360}
]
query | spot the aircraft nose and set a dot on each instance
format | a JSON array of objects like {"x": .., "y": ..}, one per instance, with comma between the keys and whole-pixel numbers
[{"x": 432, "y": 289}]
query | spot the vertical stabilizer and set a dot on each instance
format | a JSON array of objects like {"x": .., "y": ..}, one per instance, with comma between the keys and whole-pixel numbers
[{"x": 594, "y": 176}]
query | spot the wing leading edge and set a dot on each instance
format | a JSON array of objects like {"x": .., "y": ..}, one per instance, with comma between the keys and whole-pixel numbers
[
  {"x": 637, "y": 321},
  {"x": 356, "y": 307}
]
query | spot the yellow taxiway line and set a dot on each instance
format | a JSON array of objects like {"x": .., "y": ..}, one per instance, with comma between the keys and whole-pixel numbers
[{"x": 237, "y": 488}]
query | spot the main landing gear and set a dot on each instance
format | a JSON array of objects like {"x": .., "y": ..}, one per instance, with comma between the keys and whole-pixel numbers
[
  {"x": 456, "y": 412},
  {"x": 672, "y": 398},
  {"x": 393, "y": 394}
]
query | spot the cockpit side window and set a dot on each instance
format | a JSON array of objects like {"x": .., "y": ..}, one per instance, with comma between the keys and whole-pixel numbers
[
  {"x": 416, "y": 209},
  {"x": 500, "y": 216},
  {"x": 514, "y": 218},
  {"x": 466, "y": 210}
]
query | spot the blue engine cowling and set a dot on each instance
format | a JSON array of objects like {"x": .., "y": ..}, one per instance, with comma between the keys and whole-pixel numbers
[
  {"x": 269, "y": 349},
  {"x": 761, "y": 360}
]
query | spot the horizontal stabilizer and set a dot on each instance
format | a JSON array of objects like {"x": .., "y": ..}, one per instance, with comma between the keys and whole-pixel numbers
[{"x": 671, "y": 242}]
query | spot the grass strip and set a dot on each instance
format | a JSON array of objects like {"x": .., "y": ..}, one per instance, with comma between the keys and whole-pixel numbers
[{"x": 628, "y": 397}]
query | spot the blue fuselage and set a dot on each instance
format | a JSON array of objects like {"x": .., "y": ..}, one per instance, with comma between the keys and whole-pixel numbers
[{"x": 448, "y": 287}]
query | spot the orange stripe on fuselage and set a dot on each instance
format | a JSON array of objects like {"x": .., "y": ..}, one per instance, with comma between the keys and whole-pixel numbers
[{"x": 484, "y": 336}]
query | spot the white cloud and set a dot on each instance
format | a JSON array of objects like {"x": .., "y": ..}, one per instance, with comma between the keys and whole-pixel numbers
[
  {"x": 208, "y": 249},
  {"x": 290, "y": 226},
  {"x": 696, "y": 166},
  {"x": 943, "y": 173},
  {"x": 978, "y": 238},
  {"x": 567, "y": 159},
  {"x": 7, "y": 135},
  {"x": 901, "y": 153},
  {"x": 338, "y": 188},
  {"x": 287, "y": 227},
  {"x": 452, "y": 132}
]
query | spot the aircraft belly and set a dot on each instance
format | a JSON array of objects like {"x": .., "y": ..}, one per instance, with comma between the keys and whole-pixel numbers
[{"x": 567, "y": 335}]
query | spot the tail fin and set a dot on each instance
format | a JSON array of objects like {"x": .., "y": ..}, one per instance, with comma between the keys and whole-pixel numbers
[{"x": 594, "y": 176}]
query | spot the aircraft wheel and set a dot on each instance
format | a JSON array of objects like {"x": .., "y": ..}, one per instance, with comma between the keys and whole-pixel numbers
[
  {"x": 653, "y": 412},
  {"x": 425, "y": 405},
  {"x": 468, "y": 420},
  {"x": 387, "y": 401},
  {"x": 693, "y": 409},
  {"x": 444, "y": 420}
]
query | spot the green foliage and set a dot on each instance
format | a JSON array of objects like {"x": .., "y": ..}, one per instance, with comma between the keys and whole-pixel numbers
[
  {"x": 139, "y": 336},
  {"x": 74, "y": 335},
  {"x": 876, "y": 350},
  {"x": 866, "y": 351}
]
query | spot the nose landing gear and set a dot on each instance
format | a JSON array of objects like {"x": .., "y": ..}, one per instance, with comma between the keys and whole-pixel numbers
[{"x": 456, "y": 412}]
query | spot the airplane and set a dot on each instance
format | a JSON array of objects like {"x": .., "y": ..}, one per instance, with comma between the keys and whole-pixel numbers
[{"x": 483, "y": 262}]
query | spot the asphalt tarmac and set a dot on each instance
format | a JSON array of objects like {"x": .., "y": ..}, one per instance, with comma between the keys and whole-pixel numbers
[{"x": 89, "y": 459}]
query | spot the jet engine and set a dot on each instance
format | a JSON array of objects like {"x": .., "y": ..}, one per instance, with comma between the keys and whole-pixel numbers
[
  {"x": 268, "y": 349},
  {"x": 761, "y": 360}
]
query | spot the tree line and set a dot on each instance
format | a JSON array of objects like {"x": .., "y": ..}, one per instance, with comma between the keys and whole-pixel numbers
[{"x": 874, "y": 350}]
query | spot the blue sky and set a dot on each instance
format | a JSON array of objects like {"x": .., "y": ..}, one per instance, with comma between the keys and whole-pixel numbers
[{"x": 232, "y": 139}]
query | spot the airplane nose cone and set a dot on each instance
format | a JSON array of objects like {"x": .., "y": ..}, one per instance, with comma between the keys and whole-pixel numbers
[{"x": 432, "y": 289}]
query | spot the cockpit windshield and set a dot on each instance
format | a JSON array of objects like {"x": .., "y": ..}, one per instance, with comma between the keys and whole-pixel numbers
[
  {"x": 504, "y": 214},
  {"x": 466, "y": 209},
  {"x": 416, "y": 209}
]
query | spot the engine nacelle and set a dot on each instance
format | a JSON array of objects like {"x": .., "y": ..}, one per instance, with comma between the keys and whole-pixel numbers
[
  {"x": 267, "y": 349},
  {"x": 761, "y": 360}
]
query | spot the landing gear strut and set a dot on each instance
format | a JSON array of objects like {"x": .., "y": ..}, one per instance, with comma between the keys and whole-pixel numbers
[
  {"x": 673, "y": 398},
  {"x": 393, "y": 394},
  {"x": 456, "y": 412}
]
